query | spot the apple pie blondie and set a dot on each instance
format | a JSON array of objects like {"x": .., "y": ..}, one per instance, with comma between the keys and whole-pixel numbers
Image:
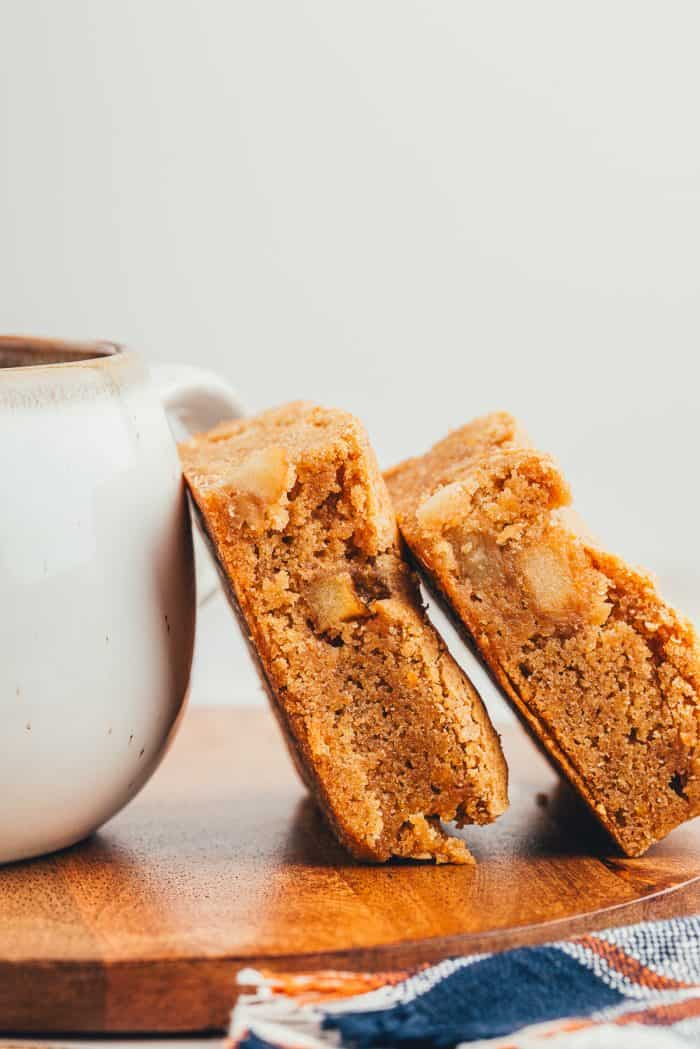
[
  {"x": 385, "y": 729},
  {"x": 604, "y": 673}
]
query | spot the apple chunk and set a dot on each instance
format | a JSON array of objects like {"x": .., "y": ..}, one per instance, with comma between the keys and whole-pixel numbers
[{"x": 333, "y": 600}]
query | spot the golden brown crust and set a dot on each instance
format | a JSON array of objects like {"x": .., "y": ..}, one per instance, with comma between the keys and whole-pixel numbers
[
  {"x": 604, "y": 673},
  {"x": 385, "y": 729}
]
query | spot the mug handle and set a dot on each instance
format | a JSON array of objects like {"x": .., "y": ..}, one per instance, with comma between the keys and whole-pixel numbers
[{"x": 196, "y": 399}]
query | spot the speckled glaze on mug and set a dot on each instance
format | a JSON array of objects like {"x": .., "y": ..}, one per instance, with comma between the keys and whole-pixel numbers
[{"x": 96, "y": 579}]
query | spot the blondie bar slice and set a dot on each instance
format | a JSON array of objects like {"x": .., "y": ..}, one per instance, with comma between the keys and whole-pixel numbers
[
  {"x": 604, "y": 673},
  {"x": 386, "y": 730}
]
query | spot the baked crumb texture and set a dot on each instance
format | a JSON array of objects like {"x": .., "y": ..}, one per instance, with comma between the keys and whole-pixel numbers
[
  {"x": 605, "y": 674},
  {"x": 385, "y": 729}
]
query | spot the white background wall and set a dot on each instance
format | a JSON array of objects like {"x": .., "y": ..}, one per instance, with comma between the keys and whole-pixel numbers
[{"x": 416, "y": 210}]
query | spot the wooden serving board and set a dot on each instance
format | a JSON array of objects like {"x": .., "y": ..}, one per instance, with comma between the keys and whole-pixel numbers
[{"x": 222, "y": 862}]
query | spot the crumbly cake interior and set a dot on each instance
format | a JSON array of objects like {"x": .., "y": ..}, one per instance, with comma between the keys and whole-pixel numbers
[
  {"x": 605, "y": 673},
  {"x": 386, "y": 730}
]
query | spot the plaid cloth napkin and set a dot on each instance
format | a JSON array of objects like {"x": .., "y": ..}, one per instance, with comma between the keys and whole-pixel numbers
[{"x": 633, "y": 987}]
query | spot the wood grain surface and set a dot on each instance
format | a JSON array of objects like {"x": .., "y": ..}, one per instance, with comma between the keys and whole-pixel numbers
[{"x": 222, "y": 862}]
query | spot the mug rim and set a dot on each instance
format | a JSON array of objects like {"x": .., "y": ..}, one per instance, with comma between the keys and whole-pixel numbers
[{"x": 67, "y": 353}]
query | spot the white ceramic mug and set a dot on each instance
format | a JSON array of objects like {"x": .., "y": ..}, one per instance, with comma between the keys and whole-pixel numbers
[{"x": 97, "y": 595}]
